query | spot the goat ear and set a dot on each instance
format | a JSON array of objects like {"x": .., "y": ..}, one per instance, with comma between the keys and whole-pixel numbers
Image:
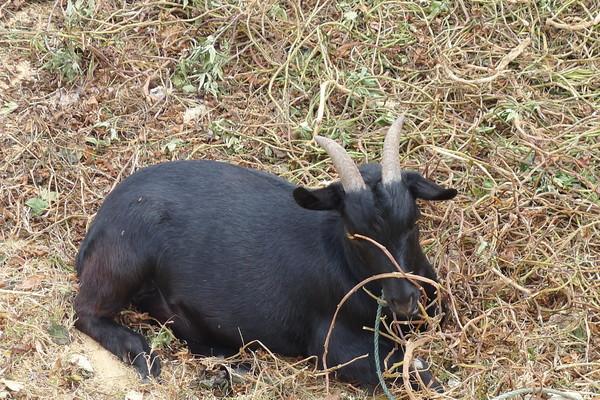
[
  {"x": 425, "y": 189},
  {"x": 327, "y": 198}
]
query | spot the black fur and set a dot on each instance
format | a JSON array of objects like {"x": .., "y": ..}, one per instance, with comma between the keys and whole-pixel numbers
[{"x": 228, "y": 256}]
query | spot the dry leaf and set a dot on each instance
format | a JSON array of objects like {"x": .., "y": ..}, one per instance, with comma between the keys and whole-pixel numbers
[
  {"x": 32, "y": 282},
  {"x": 572, "y": 395},
  {"x": 13, "y": 386},
  {"x": 91, "y": 101},
  {"x": 194, "y": 113},
  {"x": 82, "y": 362},
  {"x": 134, "y": 395},
  {"x": 157, "y": 94}
]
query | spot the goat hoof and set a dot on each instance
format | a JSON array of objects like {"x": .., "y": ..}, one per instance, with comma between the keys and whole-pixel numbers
[{"x": 147, "y": 366}]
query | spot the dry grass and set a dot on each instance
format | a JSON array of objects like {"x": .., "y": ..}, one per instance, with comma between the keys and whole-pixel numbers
[{"x": 502, "y": 100}]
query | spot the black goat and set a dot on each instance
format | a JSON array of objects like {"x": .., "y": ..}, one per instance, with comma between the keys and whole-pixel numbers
[{"x": 227, "y": 256}]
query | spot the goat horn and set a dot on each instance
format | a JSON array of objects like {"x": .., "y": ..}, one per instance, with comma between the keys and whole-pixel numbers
[
  {"x": 351, "y": 178},
  {"x": 390, "y": 164}
]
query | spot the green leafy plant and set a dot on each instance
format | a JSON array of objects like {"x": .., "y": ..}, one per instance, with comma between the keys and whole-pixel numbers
[
  {"x": 364, "y": 83},
  {"x": 202, "y": 69},
  {"x": 437, "y": 8},
  {"x": 8, "y": 107},
  {"x": 79, "y": 10},
  {"x": 162, "y": 339},
  {"x": 224, "y": 129},
  {"x": 37, "y": 205},
  {"x": 172, "y": 145},
  {"x": 65, "y": 60},
  {"x": 40, "y": 203},
  {"x": 58, "y": 333}
]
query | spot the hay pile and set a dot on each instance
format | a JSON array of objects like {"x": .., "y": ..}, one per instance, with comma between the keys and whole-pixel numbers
[{"x": 502, "y": 100}]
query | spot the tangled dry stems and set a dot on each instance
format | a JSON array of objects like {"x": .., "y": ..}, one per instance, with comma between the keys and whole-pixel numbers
[{"x": 501, "y": 100}]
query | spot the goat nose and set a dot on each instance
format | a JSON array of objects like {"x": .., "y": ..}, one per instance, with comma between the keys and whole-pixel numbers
[{"x": 406, "y": 306}]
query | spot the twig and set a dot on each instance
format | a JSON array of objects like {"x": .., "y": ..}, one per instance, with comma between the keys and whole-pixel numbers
[
  {"x": 342, "y": 365},
  {"x": 500, "y": 69},
  {"x": 566, "y": 395},
  {"x": 574, "y": 27},
  {"x": 511, "y": 282},
  {"x": 409, "y": 349},
  {"x": 21, "y": 293},
  {"x": 387, "y": 392}
]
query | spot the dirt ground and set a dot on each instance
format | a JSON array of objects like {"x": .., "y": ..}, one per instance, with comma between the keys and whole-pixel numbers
[{"x": 502, "y": 101}]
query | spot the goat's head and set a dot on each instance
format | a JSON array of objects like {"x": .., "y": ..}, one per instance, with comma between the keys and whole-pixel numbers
[{"x": 381, "y": 204}]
